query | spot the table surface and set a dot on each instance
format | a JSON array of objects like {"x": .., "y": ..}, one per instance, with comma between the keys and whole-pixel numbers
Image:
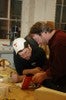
[{"x": 15, "y": 92}]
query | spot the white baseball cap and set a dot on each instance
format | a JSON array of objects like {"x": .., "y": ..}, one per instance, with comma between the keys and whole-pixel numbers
[{"x": 18, "y": 44}]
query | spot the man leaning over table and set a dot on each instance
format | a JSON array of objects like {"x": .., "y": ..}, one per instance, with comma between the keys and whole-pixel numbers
[{"x": 29, "y": 58}]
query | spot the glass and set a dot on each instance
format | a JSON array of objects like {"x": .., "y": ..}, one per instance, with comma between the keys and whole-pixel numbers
[
  {"x": 63, "y": 27},
  {"x": 13, "y": 23},
  {"x": 16, "y": 7},
  {"x": 15, "y": 27},
  {"x": 58, "y": 13},
  {"x": 59, "y": 2},
  {"x": 64, "y": 2},
  {"x": 3, "y": 29},
  {"x": 3, "y": 8},
  {"x": 64, "y": 14},
  {"x": 57, "y": 26},
  {"x": 10, "y": 15},
  {"x": 3, "y": 92}
]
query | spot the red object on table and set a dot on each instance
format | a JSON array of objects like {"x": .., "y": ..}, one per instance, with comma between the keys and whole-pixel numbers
[{"x": 26, "y": 81}]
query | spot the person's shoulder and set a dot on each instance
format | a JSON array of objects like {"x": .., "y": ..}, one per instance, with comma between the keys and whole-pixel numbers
[{"x": 59, "y": 31}]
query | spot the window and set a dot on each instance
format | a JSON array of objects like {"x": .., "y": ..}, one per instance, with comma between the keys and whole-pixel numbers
[
  {"x": 60, "y": 19},
  {"x": 10, "y": 15}
]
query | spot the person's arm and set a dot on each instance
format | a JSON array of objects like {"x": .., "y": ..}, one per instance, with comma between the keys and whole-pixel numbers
[
  {"x": 40, "y": 77},
  {"x": 16, "y": 78},
  {"x": 19, "y": 63},
  {"x": 32, "y": 71}
]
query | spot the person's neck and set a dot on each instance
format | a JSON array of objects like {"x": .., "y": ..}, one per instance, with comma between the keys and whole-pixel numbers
[{"x": 51, "y": 34}]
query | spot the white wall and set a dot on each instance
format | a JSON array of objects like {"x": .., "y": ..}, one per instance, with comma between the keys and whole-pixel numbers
[{"x": 36, "y": 10}]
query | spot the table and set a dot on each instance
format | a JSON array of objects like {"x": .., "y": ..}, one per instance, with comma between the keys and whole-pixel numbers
[{"x": 14, "y": 92}]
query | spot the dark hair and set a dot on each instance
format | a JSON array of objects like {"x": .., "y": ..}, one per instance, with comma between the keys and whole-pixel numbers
[
  {"x": 31, "y": 41},
  {"x": 40, "y": 27},
  {"x": 25, "y": 44}
]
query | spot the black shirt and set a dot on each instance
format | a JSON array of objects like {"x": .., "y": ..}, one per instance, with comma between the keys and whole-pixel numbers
[{"x": 38, "y": 59}]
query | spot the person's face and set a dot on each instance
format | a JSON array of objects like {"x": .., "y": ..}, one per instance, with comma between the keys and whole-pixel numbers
[
  {"x": 38, "y": 39},
  {"x": 26, "y": 53}
]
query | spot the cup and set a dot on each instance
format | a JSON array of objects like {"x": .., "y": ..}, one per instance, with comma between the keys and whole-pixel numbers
[
  {"x": 26, "y": 81},
  {"x": 3, "y": 92}
]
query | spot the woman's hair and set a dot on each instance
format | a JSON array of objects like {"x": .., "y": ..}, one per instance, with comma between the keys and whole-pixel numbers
[{"x": 40, "y": 27}]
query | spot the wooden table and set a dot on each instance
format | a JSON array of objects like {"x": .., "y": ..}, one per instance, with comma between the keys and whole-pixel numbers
[{"x": 15, "y": 92}]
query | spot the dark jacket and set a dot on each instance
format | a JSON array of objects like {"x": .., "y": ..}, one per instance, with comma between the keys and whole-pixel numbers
[{"x": 38, "y": 59}]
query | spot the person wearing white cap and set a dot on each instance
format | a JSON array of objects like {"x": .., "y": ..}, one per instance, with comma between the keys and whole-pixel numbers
[{"x": 29, "y": 58}]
